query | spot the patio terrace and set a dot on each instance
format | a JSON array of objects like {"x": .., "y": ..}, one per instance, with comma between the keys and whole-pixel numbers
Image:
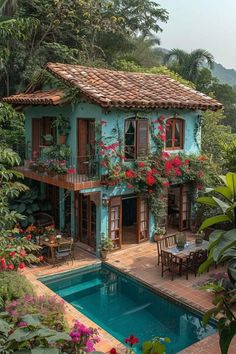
[{"x": 139, "y": 261}]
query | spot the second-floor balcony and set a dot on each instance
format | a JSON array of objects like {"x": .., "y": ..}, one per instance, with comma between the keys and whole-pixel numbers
[{"x": 76, "y": 173}]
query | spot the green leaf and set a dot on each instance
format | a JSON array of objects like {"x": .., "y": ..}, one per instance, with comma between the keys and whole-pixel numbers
[
  {"x": 224, "y": 206},
  {"x": 45, "y": 351},
  {"x": 208, "y": 315},
  {"x": 4, "y": 327},
  {"x": 31, "y": 320},
  {"x": 231, "y": 183},
  {"x": 207, "y": 200},
  {"x": 205, "y": 265},
  {"x": 225, "y": 192},
  {"x": 59, "y": 337},
  {"x": 226, "y": 336},
  {"x": 227, "y": 240},
  {"x": 214, "y": 220}
]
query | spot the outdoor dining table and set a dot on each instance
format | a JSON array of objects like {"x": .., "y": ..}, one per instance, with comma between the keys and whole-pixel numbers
[
  {"x": 183, "y": 254},
  {"x": 53, "y": 245}
]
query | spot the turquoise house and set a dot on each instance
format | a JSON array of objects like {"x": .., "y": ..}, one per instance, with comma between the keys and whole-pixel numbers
[{"x": 95, "y": 112}]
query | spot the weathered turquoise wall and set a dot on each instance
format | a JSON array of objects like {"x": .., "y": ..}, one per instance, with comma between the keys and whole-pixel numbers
[{"x": 113, "y": 118}]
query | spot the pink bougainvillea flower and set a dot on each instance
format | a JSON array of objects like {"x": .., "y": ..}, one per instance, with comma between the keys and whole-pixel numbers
[
  {"x": 160, "y": 128},
  {"x": 131, "y": 340},
  {"x": 10, "y": 266},
  {"x": 12, "y": 254},
  {"x": 21, "y": 265},
  {"x": 141, "y": 164},
  {"x": 71, "y": 171},
  {"x": 89, "y": 346},
  {"x": 166, "y": 184},
  {"x": 3, "y": 263},
  {"x": 177, "y": 161},
  {"x": 166, "y": 155},
  {"x": 178, "y": 172},
  {"x": 22, "y": 253},
  {"x": 163, "y": 137},
  {"x": 22, "y": 324}
]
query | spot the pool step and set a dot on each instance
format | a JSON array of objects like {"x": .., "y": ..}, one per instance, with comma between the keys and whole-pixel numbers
[{"x": 79, "y": 287}]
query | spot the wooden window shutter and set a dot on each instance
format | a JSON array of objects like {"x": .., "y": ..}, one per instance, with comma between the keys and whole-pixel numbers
[
  {"x": 36, "y": 135},
  {"x": 142, "y": 137}
]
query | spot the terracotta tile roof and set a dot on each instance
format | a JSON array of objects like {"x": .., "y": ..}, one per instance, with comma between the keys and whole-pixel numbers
[
  {"x": 131, "y": 90},
  {"x": 52, "y": 97}
]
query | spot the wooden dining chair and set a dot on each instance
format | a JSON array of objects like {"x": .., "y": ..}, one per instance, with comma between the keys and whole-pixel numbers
[
  {"x": 170, "y": 240},
  {"x": 65, "y": 252},
  {"x": 161, "y": 245},
  {"x": 170, "y": 263}
]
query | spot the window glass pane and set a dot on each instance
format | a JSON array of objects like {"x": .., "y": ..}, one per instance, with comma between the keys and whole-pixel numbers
[
  {"x": 177, "y": 134},
  {"x": 130, "y": 127},
  {"x": 169, "y": 130}
]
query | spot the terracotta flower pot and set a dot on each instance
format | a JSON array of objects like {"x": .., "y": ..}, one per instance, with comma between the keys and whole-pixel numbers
[
  {"x": 103, "y": 255},
  {"x": 62, "y": 139},
  {"x": 157, "y": 237}
]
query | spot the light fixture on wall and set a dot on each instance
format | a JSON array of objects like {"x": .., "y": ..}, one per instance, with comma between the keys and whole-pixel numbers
[{"x": 105, "y": 200}]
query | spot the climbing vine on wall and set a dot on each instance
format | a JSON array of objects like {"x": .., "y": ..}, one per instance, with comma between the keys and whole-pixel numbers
[{"x": 150, "y": 175}]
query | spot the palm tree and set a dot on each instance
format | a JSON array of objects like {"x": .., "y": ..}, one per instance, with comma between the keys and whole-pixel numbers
[{"x": 188, "y": 65}]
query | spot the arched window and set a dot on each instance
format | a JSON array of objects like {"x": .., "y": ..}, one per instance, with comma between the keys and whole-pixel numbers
[
  {"x": 136, "y": 138},
  {"x": 175, "y": 134}
]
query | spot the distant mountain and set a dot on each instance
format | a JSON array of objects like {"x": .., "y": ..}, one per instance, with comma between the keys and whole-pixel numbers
[{"x": 227, "y": 76}]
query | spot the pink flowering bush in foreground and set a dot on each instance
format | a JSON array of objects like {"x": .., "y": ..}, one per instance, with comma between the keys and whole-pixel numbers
[{"x": 84, "y": 337}]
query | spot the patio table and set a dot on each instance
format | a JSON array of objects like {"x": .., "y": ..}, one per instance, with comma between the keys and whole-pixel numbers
[
  {"x": 182, "y": 255},
  {"x": 53, "y": 245}
]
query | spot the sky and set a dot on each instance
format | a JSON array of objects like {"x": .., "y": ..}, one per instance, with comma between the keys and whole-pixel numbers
[{"x": 207, "y": 24}]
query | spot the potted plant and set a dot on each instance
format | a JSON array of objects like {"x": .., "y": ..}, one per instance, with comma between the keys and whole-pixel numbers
[
  {"x": 106, "y": 245},
  {"x": 48, "y": 139},
  {"x": 41, "y": 166},
  {"x": 50, "y": 233},
  {"x": 63, "y": 127},
  {"x": 159, "y": 232}
]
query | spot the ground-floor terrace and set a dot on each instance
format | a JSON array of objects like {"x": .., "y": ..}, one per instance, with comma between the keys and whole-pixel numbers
[
  {"x": 140, "y": 262},
  {"x": 88, "y": 214}
]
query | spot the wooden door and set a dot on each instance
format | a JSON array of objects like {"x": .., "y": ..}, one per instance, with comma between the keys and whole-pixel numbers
[
  {"x": 87, "y": 218},
  {"x": 184, "y": 208},
  {"x": 142, "y": 220},
  {"x": 115, "y": 221}
]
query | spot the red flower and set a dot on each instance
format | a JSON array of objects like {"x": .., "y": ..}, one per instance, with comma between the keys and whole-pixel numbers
[
  {"x": 150, "y": 180},
  {"x": 141, "y": 164},
  {"x": 21, "y": 231},
  {"x": 41, "y": 258},
  {"x": 176, "y": 161},
  {"x": 71, "y": 171},
  {"x": 178, "y": 172},
  {"x": 3, "y": 263},
  {"x": 28, "y": 237},
  {"x": 161, "y": 128},
  {"x": 166, "y": 184},
  {"x": 154, "y": 171},
  {"x": 21, "y": 265},
  {"x": 22, "y": 253},
  {"x": 163, "y": 137},
  {"x": 131, "y": 340},
  {"x": 166, "y": 155},
  {"x": 187, "y": 162},
  {"x": 12, "y": 254},
  {"x": 10, "y": 266},
  {"x": 113, "y": 351},
  {"x": 168, "y": 165},
  {"x": 130, "y": 174}
]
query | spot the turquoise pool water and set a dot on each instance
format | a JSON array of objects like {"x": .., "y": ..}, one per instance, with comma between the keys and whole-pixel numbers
[{"x": 124, "y": 306}]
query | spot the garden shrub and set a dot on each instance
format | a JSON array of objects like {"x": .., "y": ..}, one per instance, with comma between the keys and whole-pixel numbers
[
  {"x": 13, "y": 285},
  {"x": 49, "y": 308}
]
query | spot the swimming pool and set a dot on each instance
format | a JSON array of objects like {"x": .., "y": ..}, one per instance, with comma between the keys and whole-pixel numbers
[{"x": 123, "y": 306}]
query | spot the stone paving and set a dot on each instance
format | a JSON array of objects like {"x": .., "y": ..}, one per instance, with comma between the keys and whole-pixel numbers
[{"x": 139, "y": 261}]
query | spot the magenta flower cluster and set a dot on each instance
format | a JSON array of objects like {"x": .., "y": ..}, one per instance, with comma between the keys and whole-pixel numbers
[{"x": 84, "y": 337}]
